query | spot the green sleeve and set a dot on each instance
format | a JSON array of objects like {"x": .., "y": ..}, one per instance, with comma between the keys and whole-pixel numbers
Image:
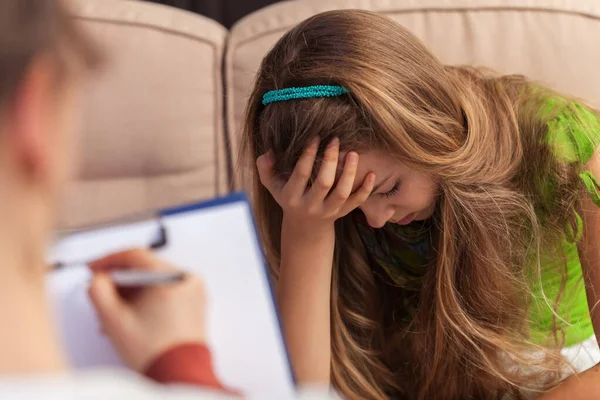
[
  {"x": 592, "y": 186},
  {"x": 573, "y": 135}
]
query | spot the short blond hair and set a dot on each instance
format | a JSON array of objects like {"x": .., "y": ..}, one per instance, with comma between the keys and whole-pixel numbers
[{"x": 32, "y": 27}]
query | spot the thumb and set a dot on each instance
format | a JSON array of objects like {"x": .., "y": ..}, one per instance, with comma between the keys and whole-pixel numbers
[{"x": 106, "y": 300}]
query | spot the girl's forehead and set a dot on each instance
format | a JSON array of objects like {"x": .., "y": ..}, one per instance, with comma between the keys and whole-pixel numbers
[{"x": 381, "y": 164}]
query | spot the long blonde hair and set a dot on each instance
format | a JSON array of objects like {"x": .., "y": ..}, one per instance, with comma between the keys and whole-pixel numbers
[{"x": 482, "y": 136}]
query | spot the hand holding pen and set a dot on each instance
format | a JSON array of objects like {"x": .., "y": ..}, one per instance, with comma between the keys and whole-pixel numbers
[{"x": 155, "y": 314}]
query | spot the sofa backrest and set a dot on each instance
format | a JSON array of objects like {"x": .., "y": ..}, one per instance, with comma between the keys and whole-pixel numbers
[
  {"x": 153, "y": 127},
  {"x": 553, "y": 41}
]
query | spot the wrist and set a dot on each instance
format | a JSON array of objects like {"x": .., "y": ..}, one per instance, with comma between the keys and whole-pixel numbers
[
  {"x": 151, "y": 347},
  {"x": 307, "y": 247},
  {"x": 187, "y": 363},
  {"x": 307, "y": 230}
]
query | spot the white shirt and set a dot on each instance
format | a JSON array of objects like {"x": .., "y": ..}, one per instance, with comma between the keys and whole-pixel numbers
[{"x": 114, "y": 384}]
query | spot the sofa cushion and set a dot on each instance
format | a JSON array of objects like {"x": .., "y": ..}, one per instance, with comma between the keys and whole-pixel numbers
[
  {"x": 152, "y": 128},
  {"x": 553, "y": 41}
]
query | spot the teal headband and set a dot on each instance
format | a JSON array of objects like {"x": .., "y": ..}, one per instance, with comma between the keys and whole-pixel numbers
[{"x": 306, "y": 92}]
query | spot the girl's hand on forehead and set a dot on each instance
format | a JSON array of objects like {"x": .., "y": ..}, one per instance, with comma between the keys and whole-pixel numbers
[{"x": 324, "y": 200}]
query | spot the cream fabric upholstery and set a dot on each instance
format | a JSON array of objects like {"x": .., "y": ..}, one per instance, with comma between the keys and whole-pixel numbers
[{"x": 152, "y": 128}]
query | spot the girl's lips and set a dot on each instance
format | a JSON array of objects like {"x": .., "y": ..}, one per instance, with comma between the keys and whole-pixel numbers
[{"x": 406, "y": 220}]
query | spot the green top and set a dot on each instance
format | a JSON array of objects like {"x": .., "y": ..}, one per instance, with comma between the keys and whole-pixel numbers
[{"x": 573, "y": 135}]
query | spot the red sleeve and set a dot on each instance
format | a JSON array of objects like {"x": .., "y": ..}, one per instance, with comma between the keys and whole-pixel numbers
[{"x": 185, "y": 363}]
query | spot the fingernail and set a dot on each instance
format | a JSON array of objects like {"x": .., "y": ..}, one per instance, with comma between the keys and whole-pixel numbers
[
  {"x": 352, "y": 158},
  {"x": 315, "y": 141},
  {"x": 371, "y": 178},
  {"x": 335, "y": 142}
]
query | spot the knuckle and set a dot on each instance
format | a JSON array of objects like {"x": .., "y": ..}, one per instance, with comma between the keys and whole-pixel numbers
[
  {"x": 307, "y": 158},
  {"x": 339, "y": 198},
  {"x": 349, "y": 173},
  {"x": 259, "y": 172},
  {"x": 360, "y": 198},
  {"x": 350, "y": 167},
  {"x": 309, "y": 154},
  {"x": 332, "y": 214},
  {"x": 266, "y": 183},
  {"x": 303, "y": 174},
  {"x": 360, "y": 201},
  {"x": 263, "y": 180},
  {"x": 292, "y": 204},
  {"x": 313, "y": 212},
  {"x": 340, "y": 195},
  {"x": 262, "y": 164},
  {"x": 330, "y": 157},
  {"x": 324, "y": 183},
  {"x": 365, "y": 190},
  {"x": 135, "y": 254},
  {"x": 197, "y": 283}
]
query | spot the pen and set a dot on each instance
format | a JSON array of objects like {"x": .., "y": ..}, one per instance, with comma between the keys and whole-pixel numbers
[
  {"x": 137, "y": 278},
  {"x": 134, "y": 277}
]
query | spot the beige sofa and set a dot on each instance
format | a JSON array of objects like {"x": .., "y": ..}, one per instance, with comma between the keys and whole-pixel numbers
[{"x": 161, "y": 121}]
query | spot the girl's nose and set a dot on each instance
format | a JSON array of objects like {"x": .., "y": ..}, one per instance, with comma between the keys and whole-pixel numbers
[{"x": 377, "y": 216}]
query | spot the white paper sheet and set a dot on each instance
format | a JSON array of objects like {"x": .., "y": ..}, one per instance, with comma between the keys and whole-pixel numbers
[{"x": 219, "y": 243}]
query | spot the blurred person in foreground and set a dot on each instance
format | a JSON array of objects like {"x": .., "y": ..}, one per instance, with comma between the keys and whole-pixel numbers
[{"x": 44, "y": 61}]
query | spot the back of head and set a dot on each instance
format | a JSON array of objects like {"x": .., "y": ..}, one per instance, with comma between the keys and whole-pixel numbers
[
  {"x": 42, "y": 56},
  {"x": 368, "y": 55},
  {"x": 33, "y": 28},
  {"x": 457, "y": 124}
]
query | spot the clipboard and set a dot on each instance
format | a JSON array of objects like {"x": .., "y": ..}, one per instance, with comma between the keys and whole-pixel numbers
[{"x": 216, "y": 239}]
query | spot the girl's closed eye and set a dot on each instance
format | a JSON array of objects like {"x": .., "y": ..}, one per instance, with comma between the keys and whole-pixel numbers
[{"x": 393, "y": 190}]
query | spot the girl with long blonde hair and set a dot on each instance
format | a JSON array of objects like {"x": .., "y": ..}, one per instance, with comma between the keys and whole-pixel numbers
[{"x": 422, "y": 222}]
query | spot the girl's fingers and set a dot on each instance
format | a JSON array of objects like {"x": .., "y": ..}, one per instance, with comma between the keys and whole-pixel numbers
[
  {"x": 343, "y": 188},
  {"x": 361, "y": 195},
  {"x": 264, "y": 164},
  {"x": 340, "y": 200},
  {"x": 296, "y": 185},
  {"x": 266, "y": 172},
  {"x": 327, "y": 171}
]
